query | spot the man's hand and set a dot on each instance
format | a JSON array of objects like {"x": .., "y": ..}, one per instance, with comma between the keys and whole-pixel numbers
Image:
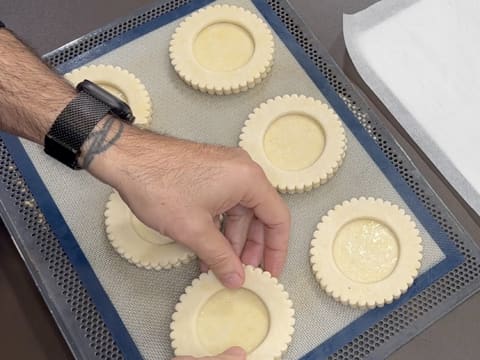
[
  {"x": 234, "y": 353},
  {"x": 180, "y": 188},
  {"x": 177, "y": 187}
]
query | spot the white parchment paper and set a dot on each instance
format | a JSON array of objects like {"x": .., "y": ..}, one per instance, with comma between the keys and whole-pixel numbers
[{"x": 421, "y": 58}]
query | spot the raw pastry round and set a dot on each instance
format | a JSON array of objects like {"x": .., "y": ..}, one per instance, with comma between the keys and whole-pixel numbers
[
  {"x": 262, "y": 317},
  {"x": 298, "y": 141},
  {"x": 120, "y": 83},
  {"x": 139, "y": 244},
  {"x": 366, "y": 252},
  {"x": 222, "y": 49}
]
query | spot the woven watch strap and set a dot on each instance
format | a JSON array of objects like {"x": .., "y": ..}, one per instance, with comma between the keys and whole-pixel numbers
[{"x": 73, "y": 126}]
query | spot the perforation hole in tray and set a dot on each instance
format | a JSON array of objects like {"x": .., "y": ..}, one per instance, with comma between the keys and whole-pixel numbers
[{"x": 360, "y": 347}]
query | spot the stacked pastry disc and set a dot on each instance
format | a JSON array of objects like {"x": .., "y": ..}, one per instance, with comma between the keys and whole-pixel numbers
[
  {"x": 298, "y": 141},
  {"x": 222, "y": 49},
  {"x": 210, "y": 318},
  {"x": 139, "y": 244},
  {"x": 366, "y": 252}
]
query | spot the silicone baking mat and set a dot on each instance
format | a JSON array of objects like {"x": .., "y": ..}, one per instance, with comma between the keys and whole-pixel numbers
[{"x": 125, "y": 311}]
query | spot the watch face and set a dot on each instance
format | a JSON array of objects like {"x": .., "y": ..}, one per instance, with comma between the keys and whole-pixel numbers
[{"x": 116, "y": 105}]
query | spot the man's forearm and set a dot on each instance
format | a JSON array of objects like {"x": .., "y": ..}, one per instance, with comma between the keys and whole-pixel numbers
[{"x": 31, "y": 95}]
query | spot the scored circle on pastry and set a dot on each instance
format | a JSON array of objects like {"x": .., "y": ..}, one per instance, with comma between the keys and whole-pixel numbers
[
  {"x": 366, "y": 252},
  {"x": 298, "y": 141},
  {"x": 138, "y": 243},
  {"x": 222, "y": 49},
  {"x": 211, "y": 318},
  {"x": 120, "y": 83}
]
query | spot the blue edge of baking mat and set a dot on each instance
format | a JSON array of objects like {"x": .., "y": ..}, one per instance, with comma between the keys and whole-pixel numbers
[{"x": 86, "y": 273}]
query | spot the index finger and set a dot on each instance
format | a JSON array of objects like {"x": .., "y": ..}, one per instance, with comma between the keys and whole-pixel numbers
[{"x": 272, "y": 211}]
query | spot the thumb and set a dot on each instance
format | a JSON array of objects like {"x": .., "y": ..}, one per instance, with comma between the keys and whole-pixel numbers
[
  {"x": 217, "y": 253},
  {"x": 234, "y": 353}
]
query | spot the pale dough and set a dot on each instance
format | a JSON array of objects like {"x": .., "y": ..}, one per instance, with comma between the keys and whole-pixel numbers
[
  {"x": 138, "y": 243},
  {"x": 120, "y": 83},
  {"x": 222, "y": 49},
  {"x": 298, "y": 141},
  {"x": 294, "y": 142},
  {"x": 366, "y": 252},
  {"x": 232, "y": 318},
  {"x": 210, "y": 318}
]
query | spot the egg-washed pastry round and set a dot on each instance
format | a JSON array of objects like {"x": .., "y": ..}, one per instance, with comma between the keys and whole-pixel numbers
[
  {"x": 298, "y": 141},
  {"x": 138, "y": 243},
  {"x": 120, "y": 83},
  {"x": 222, "y": 49},
  {"x": 211, "y": 318},
  {"x": 366, "y": 252}
]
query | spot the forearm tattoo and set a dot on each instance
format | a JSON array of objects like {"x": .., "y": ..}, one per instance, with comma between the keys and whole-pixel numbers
[{"x": 104, "y": 136}]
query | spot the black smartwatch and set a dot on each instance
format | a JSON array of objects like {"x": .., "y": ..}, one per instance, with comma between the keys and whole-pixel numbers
[
  {"x": 75, "y": 123},
  {"x": 2, "y": 25}
]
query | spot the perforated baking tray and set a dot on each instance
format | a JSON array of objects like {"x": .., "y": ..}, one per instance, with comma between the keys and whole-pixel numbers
[{"x": 92, "y": 334}]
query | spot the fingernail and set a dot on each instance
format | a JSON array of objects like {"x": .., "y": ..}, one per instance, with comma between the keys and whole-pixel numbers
[
  {"x": 236, "y": 351},
  {"x": 232, "y": 280}
]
